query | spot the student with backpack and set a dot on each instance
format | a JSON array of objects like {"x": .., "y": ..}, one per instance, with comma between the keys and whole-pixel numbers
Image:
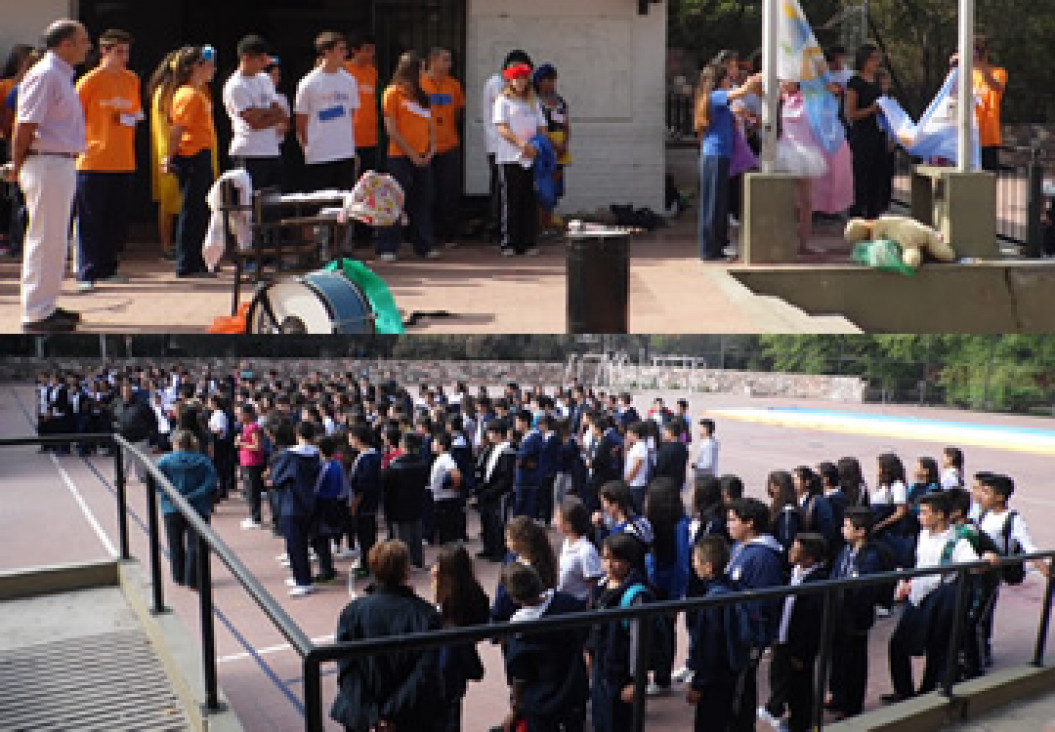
[
  {"x": 614, "y": 646},
  {"x": 1009, "y": 532},
  {"x": 924, "y": 624},
  {"x": 719, "y": 643},
  {"x": 798, "y": 639},
  {"x": 618, "y": 515},
  {"x": 860, "y": 556}
]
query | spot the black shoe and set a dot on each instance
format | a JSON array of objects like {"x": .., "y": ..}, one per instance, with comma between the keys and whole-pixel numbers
[
  {"x": 893, "y": 698},
  {"x": 68, "y": 314},
  {"x": 54, "y": 323},
  {"x": 324, "y": 578}
]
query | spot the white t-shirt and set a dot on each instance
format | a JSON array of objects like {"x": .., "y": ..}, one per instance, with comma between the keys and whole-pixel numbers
[
  {"x": 929, "y": 549},
  {"x": 243, "y": 92},
  {"x": 329, "y": 102},
  {"x": 993, "y": 524},
  {"x": 441, "y": 466},
  {"x": 707, "y": 457},
  {"x": 950, "y": 478},
  {"x": 524, "y": 119},
  {"x": 492, "y": 88},
  {"x": 218, "y": 423},
  {"x": 890, "y": 495},
  {"x": 638, "y": 452},
  {"x": 579, "y": 564}
]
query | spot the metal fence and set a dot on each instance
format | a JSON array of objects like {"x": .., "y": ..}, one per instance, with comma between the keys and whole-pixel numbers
[{"x": 314, "y": 655}]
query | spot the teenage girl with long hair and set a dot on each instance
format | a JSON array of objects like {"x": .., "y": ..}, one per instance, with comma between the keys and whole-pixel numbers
[
  {"x": 412, "y": 144},
  {"x": 191, "y": 142},
  {"x": 461, "y": 602},
  {"x": 714, "y": 125},
  {"x": 785, "y": 518}
]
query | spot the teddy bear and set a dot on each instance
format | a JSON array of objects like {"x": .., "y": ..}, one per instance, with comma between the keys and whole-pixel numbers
[{"x": 915, "y": 239}]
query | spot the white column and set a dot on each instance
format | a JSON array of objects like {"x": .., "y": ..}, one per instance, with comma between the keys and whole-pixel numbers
[
  {"x": 770, "y": 15},
  {"x": 965, "y": 96}
]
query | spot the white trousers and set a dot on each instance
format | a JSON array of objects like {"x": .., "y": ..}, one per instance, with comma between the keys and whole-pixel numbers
[{"x": 48, "y": 183}]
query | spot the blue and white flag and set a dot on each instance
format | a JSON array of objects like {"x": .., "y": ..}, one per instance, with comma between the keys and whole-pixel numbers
[
  {"x": 936, "y": 134},
  {"x": 800, "y": 58}
]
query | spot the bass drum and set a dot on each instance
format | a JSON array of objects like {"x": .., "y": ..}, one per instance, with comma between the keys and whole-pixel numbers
[{"x": 318, "y": 303}]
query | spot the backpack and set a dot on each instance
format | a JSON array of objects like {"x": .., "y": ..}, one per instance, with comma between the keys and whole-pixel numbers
[
  {"x": 659, "y": 650},
  {"x": 1013, "y": 574},
  {"x": 376, "y": 200}
]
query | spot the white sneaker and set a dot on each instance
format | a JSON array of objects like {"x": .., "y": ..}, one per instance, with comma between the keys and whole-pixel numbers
[
  {"x": 386, "y": 257},
  {"x": 729, "y": 250},
  {"x": 654, "y": 689},
  {"x": 765, "y": 716},
  {"x": 346, "y": 554},
  {"x": 250, "y": 524},
  {"x": 882, "y": 612},
  {"x": 283, "y": 559},
  {"x": 301, "y": 590},
  {"x": 85, "y": 286},
  {"x": 290, "y": 582},
  {"x": 357, "y": 564},
  {"x": 683, "y": 675},
  {"x": 432, "y": 254},
  {"x": 509, "y": 252}
]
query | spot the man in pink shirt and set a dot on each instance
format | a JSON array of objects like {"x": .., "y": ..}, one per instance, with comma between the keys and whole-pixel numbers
[{"x": 47, "y": 139}]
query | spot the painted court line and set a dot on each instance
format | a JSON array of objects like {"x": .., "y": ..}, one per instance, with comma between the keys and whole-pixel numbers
[
  {"x": 268, "y": 650},
  {"x": 1035, "y": 441},
  {"x": 88, "y": 515}
]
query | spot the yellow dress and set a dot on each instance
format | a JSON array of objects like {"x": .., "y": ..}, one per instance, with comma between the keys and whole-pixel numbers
[{"x": 165, "y": 186}]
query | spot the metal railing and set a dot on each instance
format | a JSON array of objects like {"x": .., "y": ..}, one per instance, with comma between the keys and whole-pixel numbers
[
  {"x": 315, "y": 655},
  {"x": 1020, "y": 199}
]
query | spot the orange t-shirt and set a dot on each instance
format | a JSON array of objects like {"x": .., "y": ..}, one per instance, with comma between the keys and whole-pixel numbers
[
  {"x": 366, "y": 133},
  {"x": 112, "y": 109},
  {"x": 987, "y": 107},
  {"x": 446, "y": 99},
  {"x": 192, "y": 110},
  {"x": 412, "y": 121}
]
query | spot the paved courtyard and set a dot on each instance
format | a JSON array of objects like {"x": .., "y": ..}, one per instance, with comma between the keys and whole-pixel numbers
[{"x": 42, "y": 522}]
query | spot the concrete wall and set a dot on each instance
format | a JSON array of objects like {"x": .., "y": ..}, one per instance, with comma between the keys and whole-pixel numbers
[
  {"x": 25, "y": 20},
  {"x": 611, "y": 63}
]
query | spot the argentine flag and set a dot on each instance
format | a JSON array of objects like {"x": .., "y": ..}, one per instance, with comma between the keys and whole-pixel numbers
[
  {"x": 936, "y": 134},
  {"x": 800, "y": 58}
]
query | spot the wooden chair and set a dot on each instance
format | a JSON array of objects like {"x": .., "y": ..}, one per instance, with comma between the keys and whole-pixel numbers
[{"x": 270, "y": 241}]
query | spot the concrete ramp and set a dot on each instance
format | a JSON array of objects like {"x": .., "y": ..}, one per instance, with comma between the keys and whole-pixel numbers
[
  {"x": 80, "y": 660},
  {"x": 976, "y": 297}
]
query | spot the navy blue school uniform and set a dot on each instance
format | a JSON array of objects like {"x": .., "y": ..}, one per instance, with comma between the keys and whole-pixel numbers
[
  {"x": 755, "y": 565},
  {"x": 790, "y": 686},
  {"x": 293, "y": 475},
  {"x": 365, "y": 484},
  {"x": 551, "y": 672},
  {"x": 459, "y": 664},
  {"x": 837, "y": 500},
  {"x": 606, "y": 464},
  {"x": 528, "y": 474},
  {"x": 856, "y": 615},
  {"x": 549, "y": 463},
  {"x": 713, "y": 675},
  {"x": 786, "y": 525},
  {"x": 614, "y": 649},
  {"x": 819, "y": 518}
]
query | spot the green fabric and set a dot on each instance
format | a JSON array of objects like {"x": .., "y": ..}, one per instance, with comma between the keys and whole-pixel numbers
[
  {"x": 881, "y": 254},
  {"x": 388, "y": 321}
]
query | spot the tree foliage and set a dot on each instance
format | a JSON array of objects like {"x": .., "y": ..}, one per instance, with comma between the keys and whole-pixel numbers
[{"x": 918, "y": 37}]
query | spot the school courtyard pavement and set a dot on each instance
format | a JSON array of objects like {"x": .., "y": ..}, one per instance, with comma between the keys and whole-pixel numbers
[
  {"x": 671, "y": 291},
  {"x": 62, "y": 509}
]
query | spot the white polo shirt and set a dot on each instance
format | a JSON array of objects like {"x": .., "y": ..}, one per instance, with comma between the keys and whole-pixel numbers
[{"x": 329, "y": 102}]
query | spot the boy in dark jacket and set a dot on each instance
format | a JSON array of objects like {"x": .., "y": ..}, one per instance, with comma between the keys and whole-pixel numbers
[
  {"x": 400, "y": 690},
  {"x": 849, "y": 668},
  {"x": 716, "y": 671},
  {"x": 364, "y": 498},
  {"x": 548, "y": 670},
  {"x": 798, "y": 639},
  {"x": 497, "y": 467},
  {"x": 294, "y": 475},
  {"x": 403, "y": 485}
]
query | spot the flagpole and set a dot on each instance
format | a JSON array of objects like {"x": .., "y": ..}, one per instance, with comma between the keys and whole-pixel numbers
[
  {"x": 965, "y": 97},
  {"x": 770, "y": 10}
]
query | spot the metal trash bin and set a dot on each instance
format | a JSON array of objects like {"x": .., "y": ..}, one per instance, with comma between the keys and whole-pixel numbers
[{"x": 598, "y": 279}]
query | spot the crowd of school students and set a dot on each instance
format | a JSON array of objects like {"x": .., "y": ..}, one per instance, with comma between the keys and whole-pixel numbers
[
  {"x": 335, "y": 458},
  {"x": 89, "y": 137}
]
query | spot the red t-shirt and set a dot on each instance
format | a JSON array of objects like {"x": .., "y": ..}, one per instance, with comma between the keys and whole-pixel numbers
[{"x": 247, "y": 457}]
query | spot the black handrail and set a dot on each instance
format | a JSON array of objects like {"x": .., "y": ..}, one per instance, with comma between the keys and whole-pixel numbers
[{"x": 314, "y": 655}]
